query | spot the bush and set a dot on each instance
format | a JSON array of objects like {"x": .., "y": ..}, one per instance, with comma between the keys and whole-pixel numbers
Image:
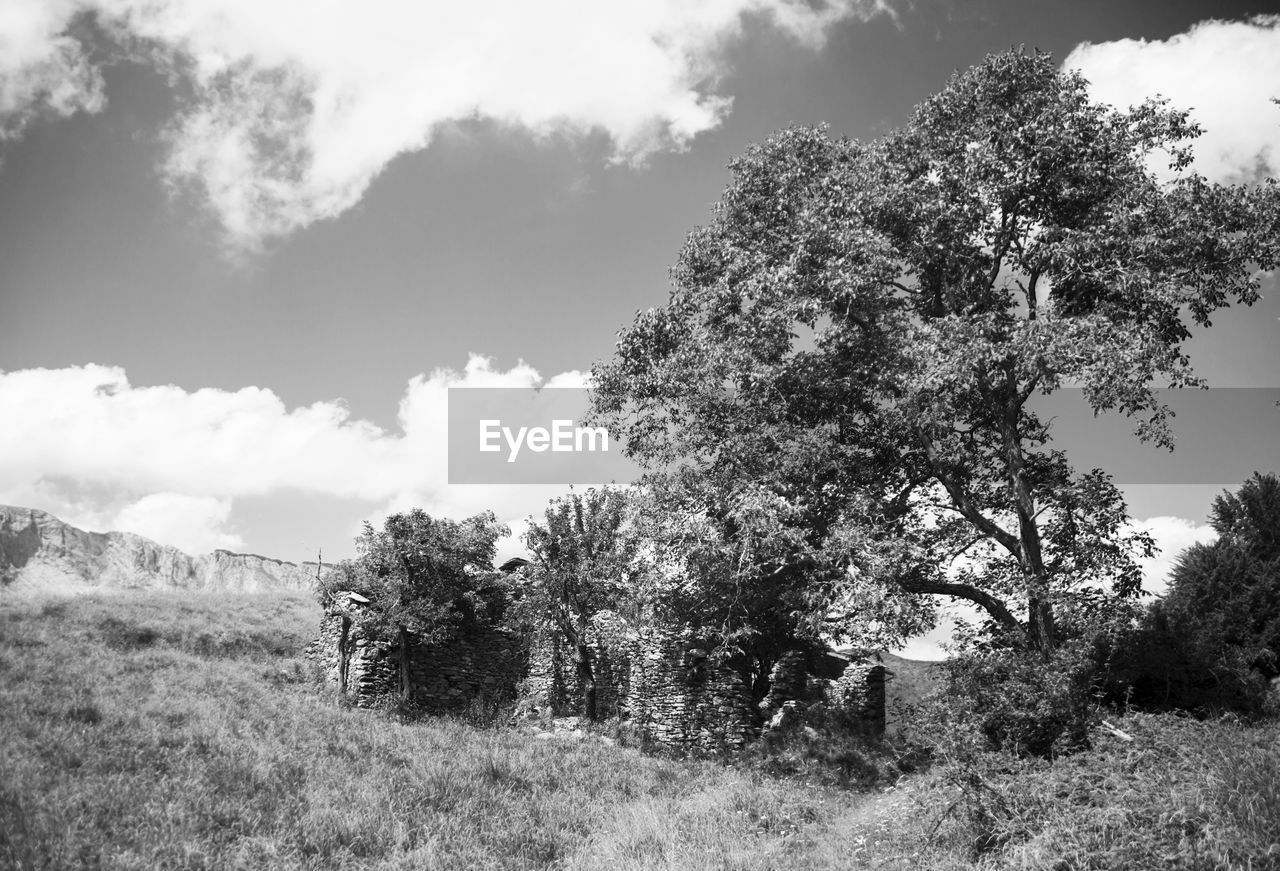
[
  {"x": 1180, "y": 794},
  {"x": 1015, "y": 701}
]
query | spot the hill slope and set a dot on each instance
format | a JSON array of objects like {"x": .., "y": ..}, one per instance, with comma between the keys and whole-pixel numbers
[{"x": 39, "y": 552}]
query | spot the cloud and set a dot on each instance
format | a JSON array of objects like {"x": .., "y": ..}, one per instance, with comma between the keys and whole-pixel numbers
[
  {"x": 85, "y": 444},
  {"x": 194, "y": 524},
  {"x": 1172, "y": 535},
  {"x": 43, "y": 70},
  {"x": 1225, "y": 72},
  {"x": 296, "y": 106}
]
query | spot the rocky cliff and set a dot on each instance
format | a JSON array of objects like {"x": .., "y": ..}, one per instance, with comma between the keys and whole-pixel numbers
[{"x": 40, "y": 552}]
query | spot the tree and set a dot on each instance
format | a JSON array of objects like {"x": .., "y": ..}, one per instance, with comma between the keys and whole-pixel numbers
[
  {"x": 425, "y": 576},
  {"x": 738, "y": 569},
  {"x": 585, "y": 560},
  {"x": 1212, "y": 643},
  {"x": 851, "y": 344}
]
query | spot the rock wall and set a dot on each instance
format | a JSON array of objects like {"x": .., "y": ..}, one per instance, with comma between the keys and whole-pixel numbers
[
  {"x": 554, "y": 684},
  {"x": 667, "y": 681},
  {"x": 484, "y": 663},
  {"x": 681, "y": 699},
  {"x": 38, "y": 552},
  {"x": 860, "y": 690},
  {"x": 664, "y": 680}
]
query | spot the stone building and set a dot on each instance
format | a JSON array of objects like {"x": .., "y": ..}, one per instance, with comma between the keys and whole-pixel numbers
[
  {"x": 666, "y": 680},
  {"x": 481, "y": 663}
]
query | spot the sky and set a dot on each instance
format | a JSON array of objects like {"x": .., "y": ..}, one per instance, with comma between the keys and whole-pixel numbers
[{"x": 246, "y": 246}]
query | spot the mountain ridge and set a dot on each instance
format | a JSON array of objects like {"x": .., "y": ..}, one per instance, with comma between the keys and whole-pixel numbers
[{"x": 42, "y": 553}]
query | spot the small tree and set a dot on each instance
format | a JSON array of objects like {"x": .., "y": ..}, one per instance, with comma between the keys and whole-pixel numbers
[
  {"x": 426, "y": 577},
  {"x": 585, "y": 560}
]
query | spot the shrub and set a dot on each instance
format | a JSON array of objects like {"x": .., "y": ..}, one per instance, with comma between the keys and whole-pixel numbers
[{"x": 1014, "y": 700}]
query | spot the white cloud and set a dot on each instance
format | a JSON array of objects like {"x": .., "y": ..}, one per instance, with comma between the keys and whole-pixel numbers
[
  {"x": 1225, "y": 72},
  {"x": 194, "y": 524},
  {"x": 42, "y": 70},
  {"x": 1172, "y": 535},
  {"x": 298, "y": 105},
  {"x": 86, "y": 445}
]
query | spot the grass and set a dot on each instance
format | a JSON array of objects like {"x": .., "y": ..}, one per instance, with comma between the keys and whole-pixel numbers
[{"x": 148, "y": 731}]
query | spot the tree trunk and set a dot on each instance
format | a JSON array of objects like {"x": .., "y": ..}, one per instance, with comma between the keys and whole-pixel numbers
[
  {"x": 405, "y": 687},
  {"x": 1041, "y": 631},
  {"x": 587, "y": 680},
  {"x": 344, "y": 655},
  {"x": 1040, "y": 623}
]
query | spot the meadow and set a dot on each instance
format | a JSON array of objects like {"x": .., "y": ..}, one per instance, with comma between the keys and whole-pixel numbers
[{"x": 152, "y": 731}]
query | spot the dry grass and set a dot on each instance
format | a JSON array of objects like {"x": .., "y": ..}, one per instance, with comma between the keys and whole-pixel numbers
[{"x": 152, "y": 732}]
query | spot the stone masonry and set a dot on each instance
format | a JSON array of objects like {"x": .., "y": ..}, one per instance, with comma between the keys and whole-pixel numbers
[
  {"x": 481, "y": 664},
  {"x": 664, "y": 680}
]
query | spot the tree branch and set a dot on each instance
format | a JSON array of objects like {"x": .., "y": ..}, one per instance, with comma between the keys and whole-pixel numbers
[
  {"x": 964, "y": 504},
  {"x": 981, "y": 598}
]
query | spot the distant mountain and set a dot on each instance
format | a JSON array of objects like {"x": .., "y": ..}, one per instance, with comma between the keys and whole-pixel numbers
[{"x": 38, "y": 552}]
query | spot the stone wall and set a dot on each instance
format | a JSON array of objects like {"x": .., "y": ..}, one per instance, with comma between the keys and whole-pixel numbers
[
  {"x": 553, "y": 684},
  {"x": 860, "y": 690},
  {"x": 682, "y": 699},
  {"x": 483, "y": 663},
  {"x": 666, "y": 681}
]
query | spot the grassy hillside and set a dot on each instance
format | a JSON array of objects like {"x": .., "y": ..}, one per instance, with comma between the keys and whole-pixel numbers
[
  {"x": 907, "y": 683},
  {"x": 151, "y": 732}
]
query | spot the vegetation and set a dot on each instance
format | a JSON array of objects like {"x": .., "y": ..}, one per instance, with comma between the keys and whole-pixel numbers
[
  {"x": 833, "y": 407},
  {"x": 425, "y": 576},
  {"x": 154, "y": 731},
  {"x": 585, "y": 555},
  {"x": 838, "y": 386},
  {"x": 1212, "y": 643}
]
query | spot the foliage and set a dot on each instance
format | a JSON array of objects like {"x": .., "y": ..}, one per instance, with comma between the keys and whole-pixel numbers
[
  {"x": 838, "y": 385},
  {"x": 425, "y": 575},
  {"x": 586, "y": 560},
  {"x": 1180, "y": 794},
  {"x": 1001, "y": 700},
  {"x": 732, "y": 567},
  {"x": 1212, "y": 643}
]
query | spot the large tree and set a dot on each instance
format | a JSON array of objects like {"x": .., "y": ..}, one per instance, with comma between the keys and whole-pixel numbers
[{"x": 851, "y": 345}]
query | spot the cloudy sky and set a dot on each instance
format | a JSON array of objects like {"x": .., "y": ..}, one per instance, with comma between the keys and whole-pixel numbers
[{"x": 246, "y": 246}]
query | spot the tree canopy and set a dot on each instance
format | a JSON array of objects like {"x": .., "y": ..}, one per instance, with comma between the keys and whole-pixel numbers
[
  {"x": 426, "y": 575},
  {"x": 839, "y": 382}
]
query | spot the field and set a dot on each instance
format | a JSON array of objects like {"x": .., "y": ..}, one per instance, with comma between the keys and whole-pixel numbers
[{"x": 147, "y": 731}]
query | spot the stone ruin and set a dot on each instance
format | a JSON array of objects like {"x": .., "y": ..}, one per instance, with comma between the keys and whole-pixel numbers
[
  {"x": 483, "y": 663},
  {"x": 663, "y": 680}
]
